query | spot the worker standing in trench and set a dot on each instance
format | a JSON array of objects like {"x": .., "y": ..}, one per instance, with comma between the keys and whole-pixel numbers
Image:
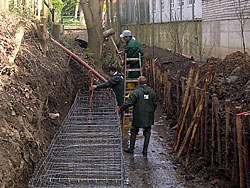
[
  {"x": 144, "y": 101},
  {"x": 132, "y": 49},
  {"x": 116, "y": 83}
]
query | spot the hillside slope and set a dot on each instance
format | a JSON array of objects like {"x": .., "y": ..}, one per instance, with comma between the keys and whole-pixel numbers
[{"x": 30, "y": 89}]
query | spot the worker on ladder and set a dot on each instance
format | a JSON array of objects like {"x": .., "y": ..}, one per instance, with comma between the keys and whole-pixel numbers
[{"x": 132, "y": 50}]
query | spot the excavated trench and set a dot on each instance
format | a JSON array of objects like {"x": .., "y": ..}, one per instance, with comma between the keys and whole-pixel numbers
[{"x": 87, "y": 151}]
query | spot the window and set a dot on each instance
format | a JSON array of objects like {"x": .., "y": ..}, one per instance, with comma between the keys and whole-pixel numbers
[
  {"x": 154, "y": 5},
  {"x": 162, "y": 4},
  {"x": 181, "y": 3},
  {"x": 190, "y": 2},
  {"x": 172, "y": 3}
]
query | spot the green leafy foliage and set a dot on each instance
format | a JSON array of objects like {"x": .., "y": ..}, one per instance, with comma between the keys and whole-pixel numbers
[
  {"x": 21, "y": 10},
  {"x": 69, "y": 8},
  {"x": 58, "y": 6}
]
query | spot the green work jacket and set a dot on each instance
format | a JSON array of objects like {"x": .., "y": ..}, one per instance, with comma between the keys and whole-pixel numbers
[
  {"x": 132, "y": 50},
  {"x": 144, "y": 101},
  {"x": 116, "y": 83}
]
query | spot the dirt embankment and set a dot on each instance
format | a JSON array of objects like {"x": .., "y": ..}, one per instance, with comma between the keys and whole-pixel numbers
[
  {"x": 31, "y": 88},
  {"x": 231, "y": 75},
  {"x": 230, "y": 80}
]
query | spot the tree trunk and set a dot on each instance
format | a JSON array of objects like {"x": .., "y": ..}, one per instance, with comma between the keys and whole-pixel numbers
[
  {"x": 76, "y": 10},
  {"x": 82, "y": 20},
  {"x": 39, "y": 8},
  {"x": 14, "y": 2},
  {"x": 112, "y": 13},
  {"x": 118, "y": 20},
  {"x": 93, "y": 16},
  {"x": 108, "y": 26}
]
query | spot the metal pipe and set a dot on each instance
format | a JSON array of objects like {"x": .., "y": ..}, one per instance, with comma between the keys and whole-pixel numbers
[
  {"x": 186, "y": 56},
  {"x": 79, "y": 60}
]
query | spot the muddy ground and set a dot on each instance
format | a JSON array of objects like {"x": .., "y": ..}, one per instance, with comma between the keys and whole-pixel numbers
[
  {"x": 160, "y": 168},
  {"x": 36, "y": 86}
]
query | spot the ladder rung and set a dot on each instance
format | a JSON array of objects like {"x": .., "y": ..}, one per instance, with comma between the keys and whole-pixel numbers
[
  {"x": 126, "y": 126},
  {"x": 127, "y": 92},
  {"x": 128, "y": 114},
  {"x": 133, "y": 59},
  {"x": 128, "y": 80},
  {"x": 133, "y": 70}
]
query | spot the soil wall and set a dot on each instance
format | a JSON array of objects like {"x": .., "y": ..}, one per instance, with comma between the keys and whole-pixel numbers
[{"x": 34, "y": 90}]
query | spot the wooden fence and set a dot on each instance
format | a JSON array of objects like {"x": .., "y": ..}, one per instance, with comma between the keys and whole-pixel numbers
[{"x": 219, "y": 135}]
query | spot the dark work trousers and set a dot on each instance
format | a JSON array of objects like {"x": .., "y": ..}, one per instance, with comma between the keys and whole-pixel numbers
[{"x": 146, "y": 131}]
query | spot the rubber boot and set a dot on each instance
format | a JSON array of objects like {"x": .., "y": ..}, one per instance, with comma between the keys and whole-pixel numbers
[
  {"x": 145, "y": 145},
  {"x": 132, "y": 144}
]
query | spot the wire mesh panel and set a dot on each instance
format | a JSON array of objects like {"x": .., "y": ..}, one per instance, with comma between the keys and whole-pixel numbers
[{"x": 87, "y": 150}]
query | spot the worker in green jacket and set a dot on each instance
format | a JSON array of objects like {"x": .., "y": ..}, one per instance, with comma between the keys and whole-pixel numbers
[
  {"x": 144, "y": 101},
  {"x": 133, "y": 48},
  {"x": 116, "y": 83}
]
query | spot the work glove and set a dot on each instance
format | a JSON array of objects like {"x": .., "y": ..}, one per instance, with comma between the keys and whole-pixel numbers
[
  {"x": 243, "y": 113},
  {"x": 93, "y": 87},
  {"x": 118, "y": 110},
  {"x": 122, "y": 63}
]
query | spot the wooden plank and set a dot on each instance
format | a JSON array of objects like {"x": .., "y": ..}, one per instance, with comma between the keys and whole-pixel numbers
[
  {"x": 239, "y": 141},
  {"x": 202, "y": 130},
  {"x": 213, "y": 134},
  {"x": 206, "y": 124},
  {"x": 197, "y": 115},
  {"x": 217, "y": 118},
  {"x": 196, "y": 118},
  {"x": 235, "y": 172},
  {"x": 183, "y": 79},
  {"x": 197, "y": 100},
  {"x": 161, "y": 82},
  {"x": 165, "y": 90},
  {"x": 227, "y": 144},
  {"x": 169, "y": 101},
  {"x": 177, "y": 92},
  {"x": 153, "y": 71},
  {"x": 246, "y": 128},
  {"x": 157, "y": 79},
  {"x": 181, "y": 117},
  {"x": 183, "y": 107}
]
